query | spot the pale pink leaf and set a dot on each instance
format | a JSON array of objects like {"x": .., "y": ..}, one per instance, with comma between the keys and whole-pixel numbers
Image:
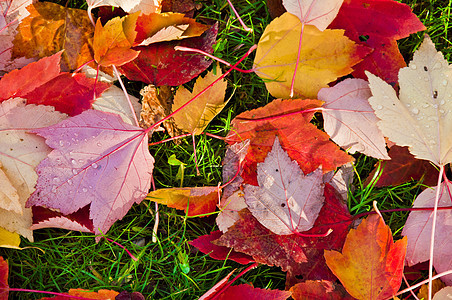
[
  {"x": 444, "y": 293},
  {"x": 229, "y": 210},
  {"x": 97, "y": 159},
  {"x": 319, "y": 13},
  {"x": 418, "y": 229},
  {"x": 350, "y": 120},
  {"x": 60, "y": 222},
  {"x": 286, "y": 201},
  {"x": 20, "y": 153},
  {"x": 129, "y": 6}
]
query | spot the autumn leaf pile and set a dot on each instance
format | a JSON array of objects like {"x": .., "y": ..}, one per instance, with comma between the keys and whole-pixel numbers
[{"x": 74, "y": 148}]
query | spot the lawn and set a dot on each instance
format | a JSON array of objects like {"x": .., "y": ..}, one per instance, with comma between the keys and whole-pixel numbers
[{"x": 170, "y": 268}]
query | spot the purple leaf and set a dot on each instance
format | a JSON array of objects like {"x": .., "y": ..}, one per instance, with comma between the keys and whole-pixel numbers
[{"x": 97, "y": 159}]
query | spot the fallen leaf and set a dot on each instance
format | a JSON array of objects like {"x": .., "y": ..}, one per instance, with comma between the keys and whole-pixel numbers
[
  {"x": 350, "y": 120},
  {"x": 212, "y": 293},
  {"x": 203, "y": 244},
  {"x": 298, "y": 255},
  {"x": 160, "y": 64},
  {"x": 403, "y": 167},
  {"x": 437, "y": 285},
  {"x": 380, "y": 23},
  {"x": 444, "y": 293},
  {"x": 18, "y": 83},
  {"x": 229, "y": 210},
  {"x": 314, "y": 12},
  {"x": 418, "y": 230},
  {"x": 320, "y": 289},
  {"x": 289, "y": 120},
  {"x": 51, "y": 28},
  {"x": 155, "y": 28},
  {"x": 9, "y": 198},
  {"x": 113, "y": 42},
  {"x": 8, "y": 240},
  {"x": 286, "y": 201},
  {"x": 97, "y": 159},
  {"x": 324, "y": 57},
  {"x": 186, "y": 7},
  {"x": 12, "y": 12},
  {"x": 194, "y": 201},
  {"x": 195, "y": 117},
  {"x": 100, "y": 294},
  {"x": 46, "y": 218},
  {"x": 246, "y": 291},
  {"x": 371, "y": 264},
  {"x": 114, "y": 101},
  {"x": 20, "y": 153},
  {"x": 130, "y": 6},
  {"x": 4, "y": 287},
  {"x": 419, "y": 117}
]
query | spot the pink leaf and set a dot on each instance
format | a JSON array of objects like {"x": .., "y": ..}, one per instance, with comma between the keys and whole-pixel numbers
[
  {"x": 350, "y": 120},
  {"x": 97, "y": 159},
  {"x": 286, "y": 201},
  {"x": 314, "y": 12},
  {"x": 418, "y": 229}
]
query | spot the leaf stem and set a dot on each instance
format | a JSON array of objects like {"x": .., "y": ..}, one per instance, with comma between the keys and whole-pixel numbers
[
  {"x": 246, "y": 28},
  {"x": 432, "y": 240},
  {"x": 127, "y": 95},
  {"x": 227, "y": 285},
  {"x": 420, "y": 284},
  {"x": 298, "y": 61},
  {"x": 118, "y": 244}
]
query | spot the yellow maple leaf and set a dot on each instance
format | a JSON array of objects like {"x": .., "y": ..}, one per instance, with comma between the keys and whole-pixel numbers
[
  {"x": 195, "y": 117},
  {"x": 324, "y": 56}
]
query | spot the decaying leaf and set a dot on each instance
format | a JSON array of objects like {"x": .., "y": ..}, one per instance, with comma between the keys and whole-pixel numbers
[
  {"x": 286, "y": 201},
  {"x": 195, "y": 117},
  {"x": 319, "y": 289},
  {"x": 371, "y": 264},
  {"x": 51, "y": 28},
  {"x": 350, "y": 120},
  {"x": 420, "y": 117},
  {"x": 324, "y": 56}
]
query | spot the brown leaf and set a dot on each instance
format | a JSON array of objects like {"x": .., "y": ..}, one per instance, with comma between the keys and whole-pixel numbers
[{"x": 50, "y": 28}]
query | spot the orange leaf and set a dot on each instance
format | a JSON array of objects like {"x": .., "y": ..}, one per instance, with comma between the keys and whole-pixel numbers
[
  {"x": 113, "y": 42},
  {"x": 50, "y": 28},
  {"x": 371, "y": 264},
  {"x": 198, "y": 200}
]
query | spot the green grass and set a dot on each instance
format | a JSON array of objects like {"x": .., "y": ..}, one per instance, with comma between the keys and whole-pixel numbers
[{"x": 170, "y": 268}]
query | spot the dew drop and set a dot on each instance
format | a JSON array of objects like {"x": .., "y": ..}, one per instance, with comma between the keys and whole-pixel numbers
[
  {"x": 81, "y": 161},
  {"x": 75, "y": 134},
  {"x": 94, "y": 165},
  {"x": 379, "y": 107},
  {"x": 73, "y": 161},
  {"x": 435, "y": 105},
  {"x": 69, "y": 182},
  {"x": 425, "y": 105},
  {"x": 84, "y": 190},
  {"x": 54, "y": 189},
  {"x": 56, "y": 179},
  {"x": 415, "y": 111},
  {"x": 68, "y": 143},
  {"x": 99, "y": 144},
  {"x": 61, "y": 143},
  {"x": 444, "y": 82},
  {"x": 73, "y": 139},
  {"x": 74, "y": 171},
  {"x": 413, "y": 66},
  {"x": 441, "y": 111},
  {"x": 442, "y": 102}
]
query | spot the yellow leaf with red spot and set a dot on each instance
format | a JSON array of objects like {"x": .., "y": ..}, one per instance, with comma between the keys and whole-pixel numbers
[
  {"x": 113, "y": 42},
  {"x": 197, "y": 200},
  {"x": 371, "y": 265},
  {"x": 324, "y": 56}
]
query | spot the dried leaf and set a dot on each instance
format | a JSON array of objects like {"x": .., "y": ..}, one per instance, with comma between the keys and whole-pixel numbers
[{"x": 320, "y": 289}]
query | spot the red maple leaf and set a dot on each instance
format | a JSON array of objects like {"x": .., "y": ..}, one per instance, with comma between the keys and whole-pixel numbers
[
  {"x": 287, "y": 119},
  {"x": 296, "y": 254},
  {"x": 380, "y": 23}
]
